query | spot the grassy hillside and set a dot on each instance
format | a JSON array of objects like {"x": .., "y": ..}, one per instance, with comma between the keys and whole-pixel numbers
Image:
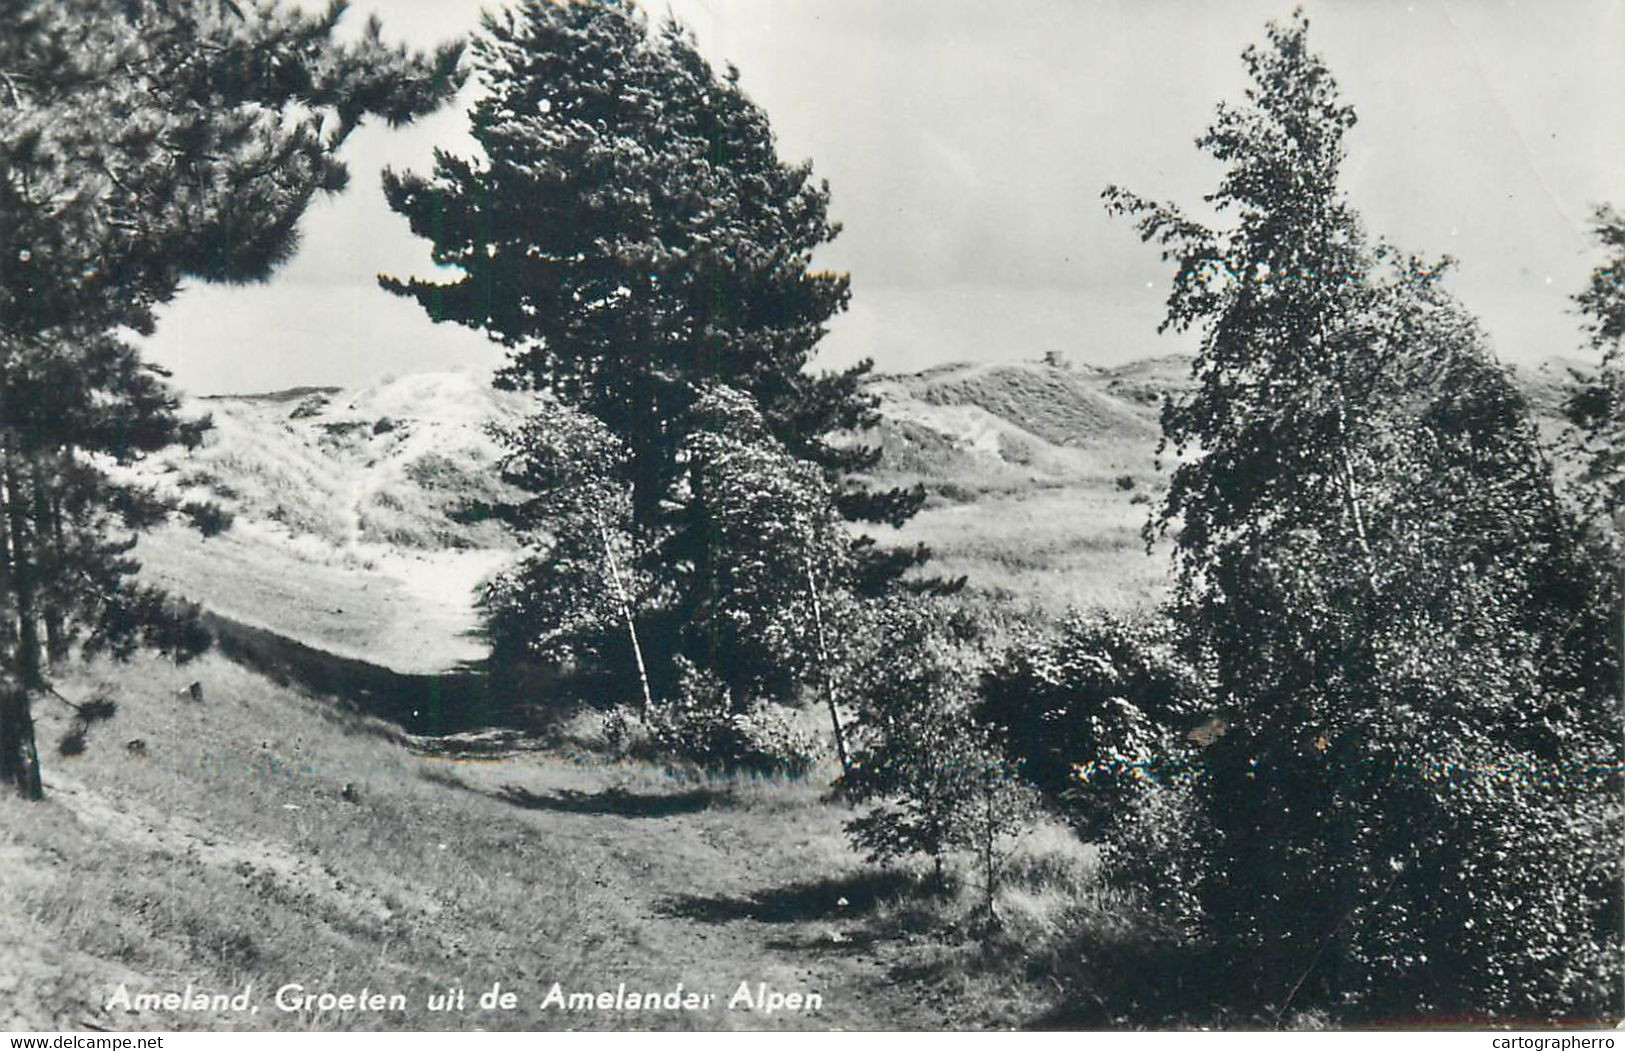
[
  {"x": 264, "y": 837},
  {"x": 1042, "y": 475},
  {"x": 343, "y": 537},
  {"x": 1039, "y": 477}
]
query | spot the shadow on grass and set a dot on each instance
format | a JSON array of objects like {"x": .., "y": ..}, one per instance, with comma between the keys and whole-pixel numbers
[
  {"x": 616, "y": 802},
  {"x": 1129, "y": 976},
  {"x": 809, "y": 900}
]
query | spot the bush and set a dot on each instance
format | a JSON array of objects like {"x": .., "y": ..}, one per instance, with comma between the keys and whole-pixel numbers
[
  {"x": 209, "y": 519},
  {"x": 702, "y": 727},
  {"x": 1095, "y": 712},
  {"x": 935, "y": 772}
]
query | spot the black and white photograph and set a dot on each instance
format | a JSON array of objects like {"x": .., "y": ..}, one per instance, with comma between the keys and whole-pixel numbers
[{"x": 865, "y": 515}]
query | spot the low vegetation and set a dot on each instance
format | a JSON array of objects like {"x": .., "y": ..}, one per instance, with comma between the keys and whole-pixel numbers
[{"x": 265, "y": 836}]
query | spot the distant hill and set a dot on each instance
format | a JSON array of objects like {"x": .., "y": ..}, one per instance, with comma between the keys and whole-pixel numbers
[
  {"x": 1548, "y": 385},
  {"x": 1040, "y": 477},
  {"x": 343, "y": 536}
]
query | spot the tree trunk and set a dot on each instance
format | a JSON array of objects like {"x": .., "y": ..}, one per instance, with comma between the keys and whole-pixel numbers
[
  {"x": 48, "y": 534},
  {"x": 1350, "y": 486},
  {"x": 703, "y": 536},
  {"x": 989, "y": 884},
  {"x": 29, "y": 667},
  {"x": 19, "y": 756},
  {"x": 824, "y": 662},
  {"x": 625, "y": 602}
]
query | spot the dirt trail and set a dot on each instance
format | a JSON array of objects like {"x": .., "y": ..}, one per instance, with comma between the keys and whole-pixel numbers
[
  {"x": 716, "y": 886},
  {"x": 726, "y": 890}
]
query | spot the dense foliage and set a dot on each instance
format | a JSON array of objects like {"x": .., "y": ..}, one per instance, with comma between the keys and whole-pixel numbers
[
  {"x": 1415, "y": 806},
  {"x": 632, "y": 236},
  {"x": 578, "y": 597},
  {"x": 778, "y": 562},
  {"x": 706, "y": 723},
  {"x": 141, "y": 142},
  {"x": 778, "y": 558},
  {"x": 1096, "y": 712}
]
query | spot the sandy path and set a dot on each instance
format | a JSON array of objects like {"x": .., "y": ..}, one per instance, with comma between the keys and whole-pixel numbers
[{"x": 723, "y": 897}]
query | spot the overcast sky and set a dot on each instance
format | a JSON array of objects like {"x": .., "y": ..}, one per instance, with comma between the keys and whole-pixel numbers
[{"x": 966, "y": 144}]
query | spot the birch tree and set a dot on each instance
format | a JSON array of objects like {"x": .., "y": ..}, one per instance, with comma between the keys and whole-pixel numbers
[
  {"x": 1385, "y": 597},
  {"x": 580, "y": 586}
]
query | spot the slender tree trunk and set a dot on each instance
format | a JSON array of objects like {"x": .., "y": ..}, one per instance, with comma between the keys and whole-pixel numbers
[
  {"x": 704, "y": 535},
  {"x": 625, "y": 602},
  {"x": 1352, "y": 501},
  {"x": 1350, "y": 485},
  {"x": 60, "y": 546},
  {"x": 47, "y": 537},
  {"x": 8, "y": 622},
  {"x": 12, "y": 713},
  {"x": 987, "y": 850},
  {"x": 30, "y": 668},
  {"x": 824, "y": 661},
  {"x": 19, "y": 755}
]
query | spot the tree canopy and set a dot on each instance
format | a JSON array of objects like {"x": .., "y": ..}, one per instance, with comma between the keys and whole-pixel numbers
[
  {"x": 1379, "y": 584},
  {"x": 633, "y": 237},
  {"x": 1597, "y": 409},
  {"x": 630, "y": 234},
  {"x": 142, "y": 142}
]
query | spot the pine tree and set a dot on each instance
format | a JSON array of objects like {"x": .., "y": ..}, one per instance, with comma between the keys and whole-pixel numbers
[
  {"x": 142, "y": 142},
  {"x": 1386, "y": 599},
  {"x": 632, "y": 237}
]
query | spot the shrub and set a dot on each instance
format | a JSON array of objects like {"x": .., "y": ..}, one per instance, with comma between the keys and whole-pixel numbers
[
  {"x": 312, "y": 405},
  {"x": 1094, "y": 712},
  {"x": 704, "y": 727},
  {"x": 209, "y": 519},
  {"x": 935, "y": 772}
]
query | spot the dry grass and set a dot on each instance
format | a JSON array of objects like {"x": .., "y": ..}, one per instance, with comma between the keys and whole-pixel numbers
[
  {"x": 1040, "y": 477},
  {"x": 345, "y": 536},
  {"x": 1076, "y": 547},
  {"x": 264, "y": 836},
  {"x": 227, "y": 850},
  {"x": 383, "y": 465}
]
